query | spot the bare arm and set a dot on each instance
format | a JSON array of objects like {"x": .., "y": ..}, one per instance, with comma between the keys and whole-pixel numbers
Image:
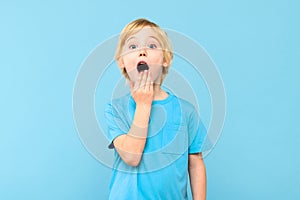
[
  {"x": 130, "y": 146},
  {"x": 197, "y": 175}
]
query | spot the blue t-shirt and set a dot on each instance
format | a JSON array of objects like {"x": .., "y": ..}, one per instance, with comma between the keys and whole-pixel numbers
[{"x": 175, "y": 130}]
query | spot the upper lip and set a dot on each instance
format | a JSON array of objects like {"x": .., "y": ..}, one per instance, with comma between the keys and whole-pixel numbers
[{"x": 141, "y": 62}]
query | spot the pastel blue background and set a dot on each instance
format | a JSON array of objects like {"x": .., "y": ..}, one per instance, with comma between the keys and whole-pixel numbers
[{"x": 255, "y": 45}]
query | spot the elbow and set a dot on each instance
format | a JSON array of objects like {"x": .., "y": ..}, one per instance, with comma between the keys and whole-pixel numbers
[
  {"x": 131, "y": 158},
  {"x": 132, "y": 161}
]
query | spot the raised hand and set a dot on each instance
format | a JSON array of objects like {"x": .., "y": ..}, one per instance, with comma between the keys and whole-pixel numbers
[{"x": 142, "y": 90}]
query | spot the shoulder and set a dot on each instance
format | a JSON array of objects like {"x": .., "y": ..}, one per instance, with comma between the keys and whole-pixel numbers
[
  {"x": 184, "y": 108},
  {"x": 120, "y": 102},
  {"x": 185, "y": 105}
]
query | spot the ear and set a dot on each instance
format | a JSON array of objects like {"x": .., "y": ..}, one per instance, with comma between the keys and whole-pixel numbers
[
  {"x": 166, "y": 62},
  {"x": 121, "y": 63}
]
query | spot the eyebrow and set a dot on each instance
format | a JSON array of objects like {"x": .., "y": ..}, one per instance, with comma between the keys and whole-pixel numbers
[
  {"x": 130, "y": 38},
  {"x": 153, "y": 37},
  {"x": 133, "y": 37}
]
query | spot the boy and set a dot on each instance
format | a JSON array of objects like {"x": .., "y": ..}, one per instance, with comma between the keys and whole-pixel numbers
[{"x": 157, "y": 136}]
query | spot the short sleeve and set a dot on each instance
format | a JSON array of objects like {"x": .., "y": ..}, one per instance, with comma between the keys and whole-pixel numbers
[
  {"x": 116, "y": 124},
  {"x": 197, "y": 134}
]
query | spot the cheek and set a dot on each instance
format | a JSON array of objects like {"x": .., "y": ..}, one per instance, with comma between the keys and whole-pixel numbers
[
  {"x": 133, "y": 75},
  {"x": 156, "y": 57},
  {"x": 129, "y": 62},
  {"x": 156, "y": 66},
  {"x": 156, "y": 72},
  {"x": 132, "y": 72}
]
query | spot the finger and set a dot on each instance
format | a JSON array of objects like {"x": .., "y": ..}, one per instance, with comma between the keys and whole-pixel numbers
[
  {"x": 148, "y": 81},
  {"x": 151, "y": 86},
  {"x": 144, "y": 79},
  {"x": 138, "y": 82}
]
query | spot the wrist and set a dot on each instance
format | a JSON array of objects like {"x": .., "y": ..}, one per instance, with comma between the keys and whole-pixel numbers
[
  {"x": 145, "y": 108},
  {"x": 142, "y": 115}
]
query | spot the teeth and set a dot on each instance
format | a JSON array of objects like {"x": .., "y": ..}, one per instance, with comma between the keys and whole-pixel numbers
[{"x": 141, "y": 63}]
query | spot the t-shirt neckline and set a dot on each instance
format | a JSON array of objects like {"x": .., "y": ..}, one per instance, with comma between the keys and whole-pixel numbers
[{"x": 158, "y": 102}]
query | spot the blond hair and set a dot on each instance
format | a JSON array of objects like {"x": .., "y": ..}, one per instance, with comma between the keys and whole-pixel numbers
[{"x": 134, "y": 27}]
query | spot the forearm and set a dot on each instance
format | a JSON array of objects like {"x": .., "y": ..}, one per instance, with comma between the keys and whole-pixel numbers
[
  {"x": 131, "y": 145},
  {"x": 197, "y": 175}
]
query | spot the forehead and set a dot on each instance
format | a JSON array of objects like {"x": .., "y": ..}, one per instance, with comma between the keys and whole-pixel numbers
[{"x": 144, "y": 32}]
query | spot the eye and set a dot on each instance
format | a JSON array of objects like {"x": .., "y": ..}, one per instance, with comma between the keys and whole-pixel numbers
[
  {"x": 152, "y": 46},
  {"x": 132, "y": 46}
]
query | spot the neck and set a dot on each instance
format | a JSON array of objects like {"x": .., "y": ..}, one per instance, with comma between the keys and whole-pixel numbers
[{"x": 159, "y": 94}]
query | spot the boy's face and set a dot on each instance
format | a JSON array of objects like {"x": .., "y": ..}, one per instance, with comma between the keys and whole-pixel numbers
[{"x": 143, "y": 47}]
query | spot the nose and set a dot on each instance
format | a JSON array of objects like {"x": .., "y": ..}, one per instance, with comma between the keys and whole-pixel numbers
[{"x": 142, "y": 52}]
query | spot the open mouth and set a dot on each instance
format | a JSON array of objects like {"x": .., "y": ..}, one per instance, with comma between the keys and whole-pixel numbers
[{"x": 141, "y": 66}]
